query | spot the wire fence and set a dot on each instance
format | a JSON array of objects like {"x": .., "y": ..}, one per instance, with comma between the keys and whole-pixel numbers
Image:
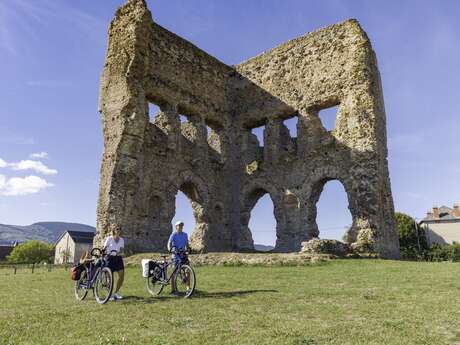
[{"x": 27, "y": 268}]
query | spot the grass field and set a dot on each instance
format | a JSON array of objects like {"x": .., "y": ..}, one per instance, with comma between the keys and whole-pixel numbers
[{"x": 338, "y": 302}]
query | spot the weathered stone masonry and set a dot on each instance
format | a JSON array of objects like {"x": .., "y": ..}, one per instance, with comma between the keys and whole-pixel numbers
[{"x": 224, "y": 172}]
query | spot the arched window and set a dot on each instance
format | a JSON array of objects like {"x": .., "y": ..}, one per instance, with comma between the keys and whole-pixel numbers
[
  {"x": 262, "y": 223},
  {"x": 333, "y": 216},
  {"x": 184, "y": 213},
  {"x": 328, "y": 117}
]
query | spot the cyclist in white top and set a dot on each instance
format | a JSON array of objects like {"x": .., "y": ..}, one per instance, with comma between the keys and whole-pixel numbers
[{"x": 116, "y": 243}]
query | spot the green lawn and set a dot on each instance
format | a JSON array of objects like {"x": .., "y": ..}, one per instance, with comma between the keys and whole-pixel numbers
[{"x": 339, "y": 302}]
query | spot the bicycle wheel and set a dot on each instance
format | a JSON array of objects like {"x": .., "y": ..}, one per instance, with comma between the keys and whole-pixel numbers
[
  {"x": 184, "y": 279},
  {"x": 81, "y": 286},
  {"x": 103, "y": 285},
  {"x": 154, "y": 283}
]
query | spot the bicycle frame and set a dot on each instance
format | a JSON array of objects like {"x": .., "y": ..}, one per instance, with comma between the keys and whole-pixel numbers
[
  {"x": 164, "y": 270},
  {"x": 91, "y": 279}
]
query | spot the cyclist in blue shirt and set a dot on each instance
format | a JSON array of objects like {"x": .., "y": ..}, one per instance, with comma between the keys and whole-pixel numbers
[{"x": 178, "y": 241}]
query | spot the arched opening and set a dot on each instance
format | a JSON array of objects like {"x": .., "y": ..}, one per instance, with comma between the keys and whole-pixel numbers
[
  {"x": 258, "y": 222},
  {"x": 291, "y": 125},
  {"x": 188, "y": 207},
  {"x": 328, "y": 117},
  {"x": 259, "y": 132},
  {"x": 184, "y": 213},
  {"x": 333, "y": 215},
  {"x": 262, "y": 224},
  {"x": 154, "y": 110}
]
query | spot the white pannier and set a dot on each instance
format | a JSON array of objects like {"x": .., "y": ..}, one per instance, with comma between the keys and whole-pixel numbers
[{"x": 145, "y": 263}]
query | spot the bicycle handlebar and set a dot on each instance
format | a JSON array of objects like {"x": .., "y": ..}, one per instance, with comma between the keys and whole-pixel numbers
[
  {"x": 173, "y": 251},
  {"x": 98, "y": 252},
  {"x": 179, "y": 251}
]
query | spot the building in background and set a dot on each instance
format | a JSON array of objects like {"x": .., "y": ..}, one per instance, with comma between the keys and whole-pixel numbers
[
  {"x": 442, "y": 225},
  {"x": 71, "y": 245},
  {"x": 6, "y": 248}
]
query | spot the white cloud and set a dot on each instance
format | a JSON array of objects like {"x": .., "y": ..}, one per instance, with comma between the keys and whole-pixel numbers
[
  {"x": 36, "y": 166},
  {"x": 22, "y": 186},
  {"x": 39, "y": 155}
]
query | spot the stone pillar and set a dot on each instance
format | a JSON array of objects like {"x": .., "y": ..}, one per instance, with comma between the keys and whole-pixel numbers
[
  {"x": 244, "y": 240},
  {"x": 311, "y": 226},
  {"x": 168, "y": 121},
  {"x": 199, "y": 240},
  {"x": 201, "y": 133},
  {"x": 361, "y": 128},
  {"x": 309, "y": 130},
  {"x": 290, "y": 228},
  {"x": 272, "y": 140}
]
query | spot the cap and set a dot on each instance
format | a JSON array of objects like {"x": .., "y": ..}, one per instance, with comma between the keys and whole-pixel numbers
[{"x": 179, "y": 222}]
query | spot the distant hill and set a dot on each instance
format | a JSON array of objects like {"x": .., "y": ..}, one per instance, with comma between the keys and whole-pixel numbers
[
  {"x": 263, "y": 247},
  {"x": 42, "y": 231},
  {"x": 50, "y": 232}
]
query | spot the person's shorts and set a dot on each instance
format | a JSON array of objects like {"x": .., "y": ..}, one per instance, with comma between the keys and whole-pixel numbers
[{"x": 116, "y": 263}]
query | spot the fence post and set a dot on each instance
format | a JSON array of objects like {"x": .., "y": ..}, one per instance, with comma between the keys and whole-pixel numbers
[
  {"x": 33, "y": 267},
  {"x": 14, "y": 267}
]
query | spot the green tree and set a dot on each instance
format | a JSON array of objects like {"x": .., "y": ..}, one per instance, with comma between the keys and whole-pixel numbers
[
  {"x": 32, "y": 252},
  {"x": 412, "y": 239}
]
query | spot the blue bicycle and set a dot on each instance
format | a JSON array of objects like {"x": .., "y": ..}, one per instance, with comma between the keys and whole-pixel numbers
[
  {"x": 182, "y": 276},
  {"x": 96, "y": 276}
]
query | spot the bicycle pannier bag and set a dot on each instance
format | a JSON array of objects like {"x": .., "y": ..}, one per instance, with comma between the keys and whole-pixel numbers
[
  {"x": 145, "y": 263},
  {"x": 75, "y": 271}
]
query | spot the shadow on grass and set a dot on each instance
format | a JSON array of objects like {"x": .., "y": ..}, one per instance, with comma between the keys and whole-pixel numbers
[
  {"x": 228, "y": 294},
  {"x": 198, "y": 294}
]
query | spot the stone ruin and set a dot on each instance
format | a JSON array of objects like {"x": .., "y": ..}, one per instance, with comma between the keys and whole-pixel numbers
[{"x": 213, "y": 157}]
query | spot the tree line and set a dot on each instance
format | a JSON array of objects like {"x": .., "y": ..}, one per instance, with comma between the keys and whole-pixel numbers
[{"x": 412, "y": 241}]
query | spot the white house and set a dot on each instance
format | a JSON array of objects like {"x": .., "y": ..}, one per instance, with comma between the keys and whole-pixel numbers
[
  {"x": 442, "y": 225},
  {"x": 71, "y": 245}
]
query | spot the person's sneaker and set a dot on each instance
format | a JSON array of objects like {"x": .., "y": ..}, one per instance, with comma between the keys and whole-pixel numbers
[
  {"x": 118, "y": 296},
  {"x": 174, "y": 293},
  {"x": 112, "y": 298}
]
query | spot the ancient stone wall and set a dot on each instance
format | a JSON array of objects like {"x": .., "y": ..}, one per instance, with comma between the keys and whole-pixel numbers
[{"x": 215, "y": 159}]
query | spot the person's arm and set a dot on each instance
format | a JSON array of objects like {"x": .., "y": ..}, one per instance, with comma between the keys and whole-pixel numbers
[
  {"x": 122, "y": 247},
  {"x": 187, "y": 244},
  {"x": 106, "y": 242}
]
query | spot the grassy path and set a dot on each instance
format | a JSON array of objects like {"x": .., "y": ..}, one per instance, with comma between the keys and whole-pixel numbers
[{"x": 341, "y": 302}]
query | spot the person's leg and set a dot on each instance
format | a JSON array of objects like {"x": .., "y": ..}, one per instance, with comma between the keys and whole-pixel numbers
[
  {"x": 173, "y": 281},
  {"x": 121, "y": 278}
]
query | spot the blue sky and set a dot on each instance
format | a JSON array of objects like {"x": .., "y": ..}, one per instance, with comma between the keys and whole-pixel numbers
[{"x": 53, "y": 52}]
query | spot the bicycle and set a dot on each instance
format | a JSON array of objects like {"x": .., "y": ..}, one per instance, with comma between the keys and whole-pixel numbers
[
  {"x": 183, "y": 276},
  {"x": 96, "y": 276}
]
